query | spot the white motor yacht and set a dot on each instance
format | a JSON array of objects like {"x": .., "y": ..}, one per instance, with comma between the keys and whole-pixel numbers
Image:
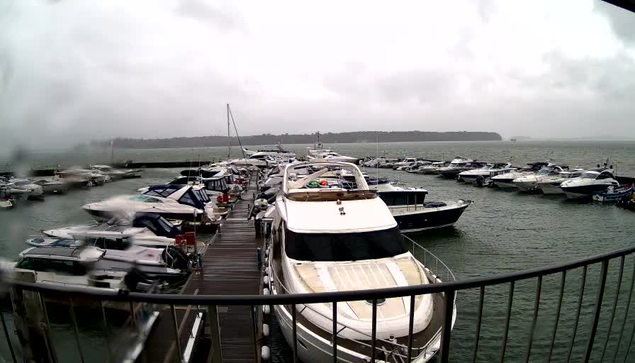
[
  {"x": 79, "y": 177},
  {"x": 506, "y": 180},
  {"x": 6, "y": 200},
  {"x": 147, "y": 230},
  {"x": 55, "y": 185},
  {"x": 24, "y": 189},
  {"x": 115, "y": 173},
  {"x": 432, "y": 168},
  {"x": 551, "y": 185},
  {"x": 170, "y": 201},
  {"x": 528, "y": 183},
  {"x": 485, "y": 172},
  {"x": 589, "y": 183},
  {"x": 329, "y": 238},
  {"x": 67, "y": 266}
]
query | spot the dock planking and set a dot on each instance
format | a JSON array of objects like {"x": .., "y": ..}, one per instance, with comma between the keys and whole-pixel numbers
[{"x": 230, "y": 267}]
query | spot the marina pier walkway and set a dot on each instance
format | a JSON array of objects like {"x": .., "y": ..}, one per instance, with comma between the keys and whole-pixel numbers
[{"x": 230, "y": 267}]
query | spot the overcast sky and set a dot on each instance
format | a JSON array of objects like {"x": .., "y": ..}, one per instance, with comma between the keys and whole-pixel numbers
[{"x": 76, "y": 70}]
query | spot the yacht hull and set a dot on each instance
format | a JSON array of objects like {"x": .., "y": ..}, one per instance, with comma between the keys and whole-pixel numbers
[
  {"x": 504, "y": 183},
  {"x": 550, "y": 188},
  {"x": 583, "y": 191},
  {"x": 105, "y": 215},
  {"x": 428, "y": 218},
  {"x": 528, "y": 186}
]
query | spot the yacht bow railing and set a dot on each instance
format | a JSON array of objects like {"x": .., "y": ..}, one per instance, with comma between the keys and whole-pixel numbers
[{"x": 574, "y": 311}]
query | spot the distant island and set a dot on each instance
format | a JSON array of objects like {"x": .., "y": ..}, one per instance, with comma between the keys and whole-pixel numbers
[{"x": 328, "y": 138}]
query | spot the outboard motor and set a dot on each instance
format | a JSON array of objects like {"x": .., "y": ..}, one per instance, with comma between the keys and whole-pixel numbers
[{"x": 176, "y": 258}]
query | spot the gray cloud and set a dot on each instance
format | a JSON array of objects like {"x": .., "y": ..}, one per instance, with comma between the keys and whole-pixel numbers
[
  {"x": 73, "y": 71},
  {"x": 622, "y": 21}
]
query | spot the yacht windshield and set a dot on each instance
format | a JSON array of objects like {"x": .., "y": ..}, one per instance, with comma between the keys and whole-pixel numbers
[
  {"x": 344, "y": 246},
  {"x": 589, "y": 175}
]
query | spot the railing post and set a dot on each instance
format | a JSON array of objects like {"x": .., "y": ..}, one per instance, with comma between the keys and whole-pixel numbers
[
  {"x": 411, "y": 324},
  {"x": 535, "y": 319},
  {"x": 555, "y": 327},
  {"x": 615, "y": 301},
  {"x": 507, "y": 320},
  {"x": 334, "y": 331},
  {"x": 6, "y": 334},
  {"x": 75, "y": 328},
  {"x": 214, "y": 326},
  {"x": 32, "y": 326},
  {"x": 479, "y": 319},
  {"x": 577, "y": 317},
  {"x": 373, "y": 334},
  {"x": 447, "y": 325},
  {"x": 177, "y": 338},
  {"x": 294, "y": 319},
  {"x": 598, "y": 309},
  {"x": 628, "y": 305}
]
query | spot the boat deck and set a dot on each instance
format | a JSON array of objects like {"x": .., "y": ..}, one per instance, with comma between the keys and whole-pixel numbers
[{"x": 230, "y": 267}]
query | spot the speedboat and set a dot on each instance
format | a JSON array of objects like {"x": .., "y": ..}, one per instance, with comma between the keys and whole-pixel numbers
[
  {"x": 68, "y": 266},
  {"x": 614, "y": 195},
  {"x": 116, "y": 174},
  {"x": 79, "y": 177},
  {"x": 53, "y": 185},
  {"x": 147, "y": 230},
  {"x": 506, "y": 180},
  {"x": 330, "y": 238},
  {"x": 404, "y": 163},
  {"x": 528, "y": 183},
  {"x": 414, "y": 214},
  {"x": 589, "y": 183},
  {"x": 170, "y": 201},
  {"x": 24, "y": 189},
  {"x": 459, "y": 165},
  {"x": 551, "y": 185},
  {"x": 275, "y": 151},
  {"x": 432, "y": 168},
  {"x": 413, "y": 168},
  {"x": 332, "y": 156},
  {"x": 485, "y": 172},
  {"x": 6, "y": 200}
]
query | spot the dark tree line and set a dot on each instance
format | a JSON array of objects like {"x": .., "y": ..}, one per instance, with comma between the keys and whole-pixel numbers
[{"x": 330, "y": 138}]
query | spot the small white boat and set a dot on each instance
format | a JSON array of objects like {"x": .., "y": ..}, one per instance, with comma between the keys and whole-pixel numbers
[
  {"x": 53, "y": 185},
  {"x": 589, "y": 183},
  {"x": 506, "y": 180},
  {"x": 6, "y": 201},
  {"x": 485, "y": 172},
  {"x": 528, "y": 183},
  {"x": 551, "y": 185},
  {"x": 147, "y": 230},
  {"x": 614, "y": 195}
]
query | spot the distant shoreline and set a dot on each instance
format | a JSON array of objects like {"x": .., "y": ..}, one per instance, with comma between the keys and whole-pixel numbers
[{"x": 327, "y": 138}]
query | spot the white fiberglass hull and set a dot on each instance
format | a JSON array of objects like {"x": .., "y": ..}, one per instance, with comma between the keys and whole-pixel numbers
[
  {"x": 550, "y": 188},
  {"x": 312, "y": 348},
  {"x": 525, "y": 186}
]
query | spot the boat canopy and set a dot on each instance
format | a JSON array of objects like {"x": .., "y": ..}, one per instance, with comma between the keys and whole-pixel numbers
[{"x": 184, "y": 195}]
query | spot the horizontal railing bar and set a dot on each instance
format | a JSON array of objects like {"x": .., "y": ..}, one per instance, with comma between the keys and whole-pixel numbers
[{"x": 327, "y": 297}]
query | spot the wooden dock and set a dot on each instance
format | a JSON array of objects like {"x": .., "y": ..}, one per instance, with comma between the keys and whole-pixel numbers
[{"x": 230, "y": 267}]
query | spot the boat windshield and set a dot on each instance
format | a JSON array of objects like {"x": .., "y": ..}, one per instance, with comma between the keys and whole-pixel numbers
[
  {"x": 589, "y": 175},
  {"x": 344, "y": 246}
]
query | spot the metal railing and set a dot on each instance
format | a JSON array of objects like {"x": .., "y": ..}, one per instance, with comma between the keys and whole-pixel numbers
[{"x": 596, "y": 327}]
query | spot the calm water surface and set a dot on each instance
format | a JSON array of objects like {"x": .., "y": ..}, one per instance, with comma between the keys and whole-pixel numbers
[{"x": 502, "y": 232}]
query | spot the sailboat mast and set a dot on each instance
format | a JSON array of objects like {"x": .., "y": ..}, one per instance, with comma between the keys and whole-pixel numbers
[{"x": 229, "y": 142}]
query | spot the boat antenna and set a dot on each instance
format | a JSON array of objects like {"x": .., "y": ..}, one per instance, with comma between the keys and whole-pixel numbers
[
  {"x": 229, "y": 141},
  {"x": 236, "y": 129},
  {"x": 377, "y": 159}
]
